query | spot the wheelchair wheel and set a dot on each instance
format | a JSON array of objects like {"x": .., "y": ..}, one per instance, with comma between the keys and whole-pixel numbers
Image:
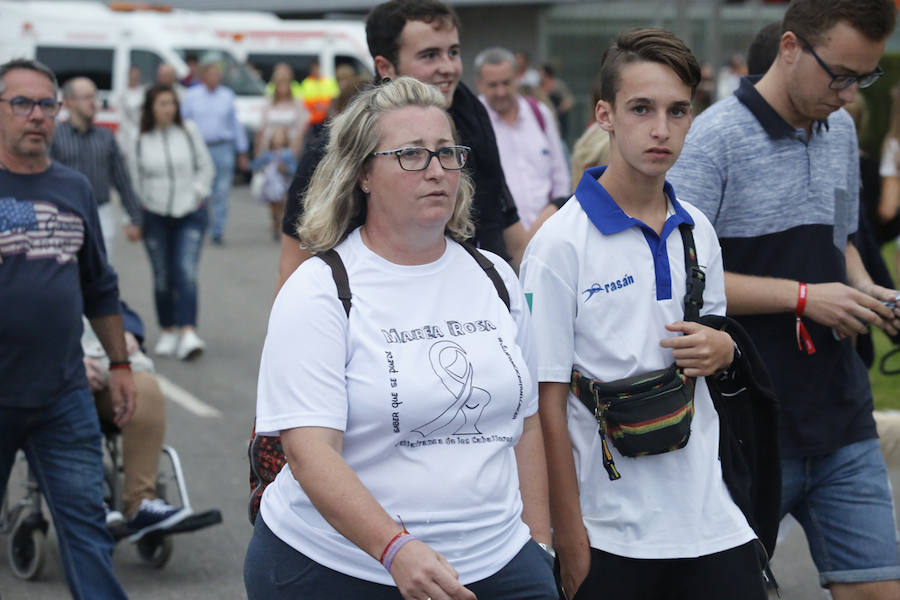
[
  {"x": 155, "y": 549},
  {"x": 25, "y": 547}
]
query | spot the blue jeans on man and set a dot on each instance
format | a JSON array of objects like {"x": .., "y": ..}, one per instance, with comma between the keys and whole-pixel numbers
[
  {"x": 63, "y": 445},
  {"x": 222, "y": 154},
  {"x": 173, "y": 245},
  {"x": 843, "y": 501}
]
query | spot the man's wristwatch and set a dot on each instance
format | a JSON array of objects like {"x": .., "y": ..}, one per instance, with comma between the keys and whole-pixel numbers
[{"x": 548, "y": 549}]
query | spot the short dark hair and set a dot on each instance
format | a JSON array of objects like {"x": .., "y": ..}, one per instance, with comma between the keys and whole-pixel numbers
[
  {"x": 27, "y": 64},
  {"x": 148, "y": 122},
  {"x": 810, "y": 19},
  {"x": 386, "y": 21},
  {"x": 647, "y": 44},
  {"x": 763, "y": 49}
]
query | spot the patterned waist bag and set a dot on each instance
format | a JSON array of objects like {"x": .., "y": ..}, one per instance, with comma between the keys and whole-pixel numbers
[
  {"x": 642, "y": 415},
  {"x": 649, "y": 413},
  {"x": 266, "y": 460}
]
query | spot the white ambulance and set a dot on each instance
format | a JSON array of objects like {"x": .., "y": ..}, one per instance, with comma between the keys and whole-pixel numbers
[
  {"x": 263, "y": 42},
  {"x": 101, "y": 42}
]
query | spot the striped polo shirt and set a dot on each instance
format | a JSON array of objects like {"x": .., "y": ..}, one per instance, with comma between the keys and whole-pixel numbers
[
  {"x": 783, "y": 203},
  {"x": 96, "y": 155}
]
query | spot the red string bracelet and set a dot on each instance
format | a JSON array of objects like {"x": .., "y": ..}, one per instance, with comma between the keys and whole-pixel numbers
[
  {"x": 804, "y": 340},
  {"x": 124, "y": 365},
  {"x": 393, "y": 546}
]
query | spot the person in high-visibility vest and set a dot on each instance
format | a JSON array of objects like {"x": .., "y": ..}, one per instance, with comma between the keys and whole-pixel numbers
[
  {"x": 317, "y": 92},
  {"x": 284, "y": 71}
]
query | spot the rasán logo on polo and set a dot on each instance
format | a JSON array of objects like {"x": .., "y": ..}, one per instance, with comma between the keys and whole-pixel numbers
[{"x": 610, "y": 287}]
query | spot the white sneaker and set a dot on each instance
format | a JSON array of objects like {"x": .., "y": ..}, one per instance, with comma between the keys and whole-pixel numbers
[
  {"x": 113, "y": 517},
  {"x": 191, "y": 346},
  {"x": 168, "y": 342}
]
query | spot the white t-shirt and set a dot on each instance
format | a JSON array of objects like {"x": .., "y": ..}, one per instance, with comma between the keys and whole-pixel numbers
[
  {"x": 600, "y": 305},
  {"x": 430, "y": 380},
  {"x": 890, "y": 158}
]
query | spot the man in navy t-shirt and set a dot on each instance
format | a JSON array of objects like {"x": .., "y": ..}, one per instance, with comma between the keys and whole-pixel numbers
[{"x": 53, "y": 269}]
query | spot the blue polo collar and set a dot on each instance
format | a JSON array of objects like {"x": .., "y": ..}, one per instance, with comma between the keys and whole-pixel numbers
[
  {"x": 606, "y": 215},
  {"x": 770, "y": 120},
  {"x": 608, "y": 218}
]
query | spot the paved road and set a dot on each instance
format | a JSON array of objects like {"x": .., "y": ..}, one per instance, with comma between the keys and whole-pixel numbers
[{"x": 236, "y": 285}]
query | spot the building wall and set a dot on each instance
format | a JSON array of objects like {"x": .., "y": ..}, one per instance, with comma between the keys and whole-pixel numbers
[{"x": 514, "y": 27}]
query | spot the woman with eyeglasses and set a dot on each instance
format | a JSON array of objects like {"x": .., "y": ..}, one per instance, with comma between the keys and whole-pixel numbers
[{"x": 408, "y": 413}]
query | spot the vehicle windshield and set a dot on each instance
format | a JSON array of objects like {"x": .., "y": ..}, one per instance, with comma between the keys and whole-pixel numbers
[{"x": 243, "y": 80}]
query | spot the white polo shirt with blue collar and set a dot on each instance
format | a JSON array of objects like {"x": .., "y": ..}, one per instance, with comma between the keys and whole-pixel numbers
[{"x": 602, "y": 286}]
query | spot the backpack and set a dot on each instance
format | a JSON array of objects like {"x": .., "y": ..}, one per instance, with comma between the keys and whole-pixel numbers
[{"x": 265, "y": 452}]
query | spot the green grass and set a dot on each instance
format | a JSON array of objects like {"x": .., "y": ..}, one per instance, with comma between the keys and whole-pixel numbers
[{"x": 886, "y": 388}]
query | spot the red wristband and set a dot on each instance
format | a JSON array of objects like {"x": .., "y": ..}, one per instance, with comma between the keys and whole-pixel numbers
[
  {"x": 390, "y": 543},
  {"x": 804, "y": 340},
  {"x": 124, "y": 366},
  {"x": 801, "y": 299},
  {"x": 393, "y": 539}
]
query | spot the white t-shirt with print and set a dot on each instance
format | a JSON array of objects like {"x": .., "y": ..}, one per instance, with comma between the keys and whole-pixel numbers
[
  {"x": 430, "y": 380},
  {"x": 595, "y": 307}
]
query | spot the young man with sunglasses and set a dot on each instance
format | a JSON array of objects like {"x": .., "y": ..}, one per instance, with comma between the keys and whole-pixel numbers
[
  {"x": 775, "y": 168},
  {"x": 53, "y": 269}
]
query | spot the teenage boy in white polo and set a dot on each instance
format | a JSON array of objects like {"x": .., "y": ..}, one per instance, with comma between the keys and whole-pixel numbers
[{"x": 606, "y": 279}]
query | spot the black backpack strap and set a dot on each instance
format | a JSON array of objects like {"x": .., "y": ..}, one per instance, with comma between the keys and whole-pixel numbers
[
  {"x": 342, "y": 281},
  {"x": 339, "y": 274},
  {"x": 489, "y": 270},
  {"x": 695, "y": 282}
]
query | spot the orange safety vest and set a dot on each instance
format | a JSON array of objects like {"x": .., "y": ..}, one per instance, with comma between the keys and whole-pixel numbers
[{"x": 317, "y": 93}]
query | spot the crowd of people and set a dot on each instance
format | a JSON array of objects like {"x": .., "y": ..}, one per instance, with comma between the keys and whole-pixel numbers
[{"x": 494, "y": 368}]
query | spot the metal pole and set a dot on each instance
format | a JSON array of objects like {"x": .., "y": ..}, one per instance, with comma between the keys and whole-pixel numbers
[
  {"x": 714, "y": 35},
  {"x": 683, "y": 20}
]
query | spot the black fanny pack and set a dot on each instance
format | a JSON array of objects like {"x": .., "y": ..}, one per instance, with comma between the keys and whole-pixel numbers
[{"x": 649, "y": 413}]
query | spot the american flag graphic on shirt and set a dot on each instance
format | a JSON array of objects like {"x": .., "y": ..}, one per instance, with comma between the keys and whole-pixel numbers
[{"x": 39, "y": 230}]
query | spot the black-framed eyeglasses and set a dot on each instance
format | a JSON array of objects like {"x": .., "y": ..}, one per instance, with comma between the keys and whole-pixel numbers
[
  {"x": 417, "y": 158},
  {"x": 842, "y": 82},
  {"x": 23, "y": 107}
]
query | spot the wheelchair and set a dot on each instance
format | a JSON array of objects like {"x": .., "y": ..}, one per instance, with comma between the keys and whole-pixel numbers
[{"x": 23, "y": 520}]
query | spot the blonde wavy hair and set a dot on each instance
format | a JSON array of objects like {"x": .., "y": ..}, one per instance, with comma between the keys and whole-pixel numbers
[{"x": 334, "y": 197}]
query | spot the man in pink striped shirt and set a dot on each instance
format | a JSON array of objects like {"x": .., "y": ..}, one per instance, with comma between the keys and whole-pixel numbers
[{"x": 531, "y": 150}]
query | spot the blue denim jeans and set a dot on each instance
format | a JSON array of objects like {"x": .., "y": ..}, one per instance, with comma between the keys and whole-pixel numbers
[
  {"x": 62, "y": 443},
  {"x": 223, "y": 158},
  {"x": 273, "y": 570},
  {"x": 843, "y": 501},
  {"x": 173, "y": 245}
]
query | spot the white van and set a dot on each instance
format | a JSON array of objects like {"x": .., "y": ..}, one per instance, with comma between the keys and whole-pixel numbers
[
  {"x": 262, "y": 39},
  {"x": 91, "y": 39}
]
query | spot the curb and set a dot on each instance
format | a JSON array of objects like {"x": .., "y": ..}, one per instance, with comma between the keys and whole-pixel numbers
[{"x": 888, "y": 423}]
